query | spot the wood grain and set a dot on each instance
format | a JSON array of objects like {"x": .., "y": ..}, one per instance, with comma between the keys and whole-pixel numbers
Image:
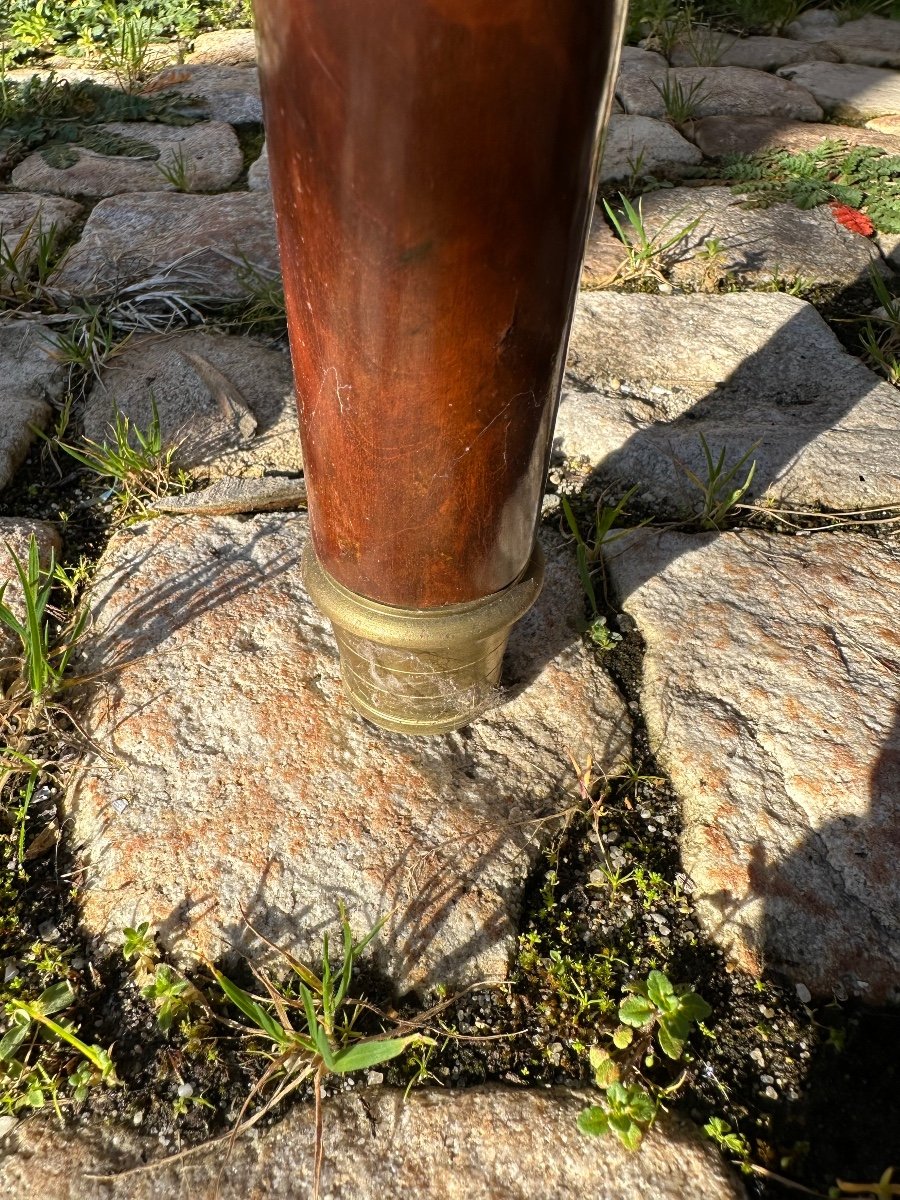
[{"x": 432, "y": 165}]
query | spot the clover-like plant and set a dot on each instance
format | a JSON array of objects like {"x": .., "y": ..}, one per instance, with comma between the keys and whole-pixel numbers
[
  {"x": 627, "y": 1110},
  {"x": 673, "y": 1010}
]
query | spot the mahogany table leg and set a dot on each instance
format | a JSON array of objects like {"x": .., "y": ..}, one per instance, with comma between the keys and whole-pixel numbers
[{"x": 433, "y": 168}]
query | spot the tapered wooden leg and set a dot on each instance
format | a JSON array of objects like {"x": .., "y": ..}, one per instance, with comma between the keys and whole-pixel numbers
[{"x": 433, "y": 168}]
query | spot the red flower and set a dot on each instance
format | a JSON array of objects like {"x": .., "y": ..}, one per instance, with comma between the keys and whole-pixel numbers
[{"x": 852, "y": 218}]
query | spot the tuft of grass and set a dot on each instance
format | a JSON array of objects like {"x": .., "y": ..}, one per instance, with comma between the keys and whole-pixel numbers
[
  {"x": 45, "y": 657},
  {"x": 682, "y": 103},
  {"x": 880, "y": 335},
  {"x": 606, "y": 530},
  {"x": 646, "y": 253},
  {"x": 90, "y": 341},
  {"x": 27, "y": 262},
  {"x": 719, "y": 491},
  {"x": 136, "y": 462},
  {"x": 175, "y": 172},
  {"x": 130, "y": 52}
]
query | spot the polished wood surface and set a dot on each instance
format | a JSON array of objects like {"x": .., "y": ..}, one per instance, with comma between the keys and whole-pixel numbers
[{"x": 432, "y": 166}]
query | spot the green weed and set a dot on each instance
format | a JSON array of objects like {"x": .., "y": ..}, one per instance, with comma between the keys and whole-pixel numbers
[
  {"x": 606, "y": 531},
  {"x": 138, "y": 463},
  {"x": 27, "y": 262},
  {"x": 49, "y": 113},
  {"x": 646, "y": 253},
  {"x": 89, "y": 342},
  {"x": 130, "y": 51},
  {"x": 313, "y": 1037},
  {"x": 681, "y": 102},
  {"x": 175, "y": 172},
  {"x": 880, "y": 336},
  {"x": 29, "y": 1074},
  {"x": 718, "y": 489},
  {"x": 630, "y": 1104},
  {"x": 866, "y": 178},
  {"x": 46, "y": 656}
]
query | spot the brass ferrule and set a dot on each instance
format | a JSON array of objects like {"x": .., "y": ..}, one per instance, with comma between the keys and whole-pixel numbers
[{"x": 421, "y": 671}]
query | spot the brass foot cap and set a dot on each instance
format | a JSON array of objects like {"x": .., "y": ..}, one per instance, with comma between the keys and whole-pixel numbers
[{"x": 421, "y": 671}]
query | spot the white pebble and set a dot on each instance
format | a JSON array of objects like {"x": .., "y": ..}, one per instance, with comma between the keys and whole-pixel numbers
[
  {"x": 186, "y": 1091},
  {"x": 804, "y": 995}
]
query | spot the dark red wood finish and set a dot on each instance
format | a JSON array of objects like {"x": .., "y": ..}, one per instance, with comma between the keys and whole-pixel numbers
[{"x": 432, "y": 166}]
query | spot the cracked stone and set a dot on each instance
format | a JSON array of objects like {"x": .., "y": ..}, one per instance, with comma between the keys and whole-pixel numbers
[
  {"x": 770, "y": 691},
  {"x": 209, "y": 151},
  {"x": 250, "y": 782},
  {"x": 482, "y": 1143},
  {"x": 227, "y": 402},
  {"x": 203, "y": 245},
  {"x": 31, "y": 380},
  {"x": 719, "y": 91},
  {"x": 751, "y": 372}
]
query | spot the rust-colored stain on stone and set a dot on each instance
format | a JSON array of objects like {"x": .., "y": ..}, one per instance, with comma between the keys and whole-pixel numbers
[
  {"x": 784, "y": 743},
  {"x": 237, "y": 777}
]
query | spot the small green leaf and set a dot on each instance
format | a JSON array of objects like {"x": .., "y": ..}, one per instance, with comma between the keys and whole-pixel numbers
[
  {"x": 15, "y": 1035},
  {"x": 670, "y": 1044},
  {"x": 636, "y": 1011},
  {"x": 693, "y": 1007},
  {"x": 593, "y": 1121},
  {"x": 660, "y": 990},
  {"x": 54, "y": 998},
  {"x": 370, "y": 1053},
  {"x": 627, "y": 1131},
  {"x": 249, "y": 1007},
  {"x": 641, "y": 1105},
  {"x": 622, "y": 1037},
  {"x": 606, "y": 1070}
]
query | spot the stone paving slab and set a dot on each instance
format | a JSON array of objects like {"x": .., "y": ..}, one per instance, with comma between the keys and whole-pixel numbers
[
  {"x": 24, "y": 216},
  {"x": 226, "y": 93},
  {"x": 649, "y": 374},
  {"x": 205, "y": 243},
  {"x": 870, "y": 40},
  {"x": 717, "y": 136},
  {"x": 643, "y": 146},
  {"x": 224, "y": 48},
  {"x": 604, "y": 254},
  {"x": 486, "y": 1143},
  {"x": 235, "y": 774},
  {"x": 258, "y": 176},
  {"x": 716, "y": 48},
  {"x": 15, "y": 536},
  {"x": 759, "y": 244},
  {"x": 227, "y": 402},
  {"x": 770, "y": 690},
  {"x": 850, "y": 92},
  {"x": 31, "y": 378},
  {"x": 720, "y": 91},
  {"x": 208, "y": 151}
]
